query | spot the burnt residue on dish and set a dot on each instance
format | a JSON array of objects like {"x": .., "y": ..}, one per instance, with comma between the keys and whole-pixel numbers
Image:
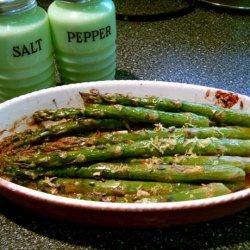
[
  {"x": 87, "y": 97},
  {"x": 225, "y": 99}
]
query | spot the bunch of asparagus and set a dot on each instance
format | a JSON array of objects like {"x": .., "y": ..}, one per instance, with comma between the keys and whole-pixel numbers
[{"x": 120, "y": 148}]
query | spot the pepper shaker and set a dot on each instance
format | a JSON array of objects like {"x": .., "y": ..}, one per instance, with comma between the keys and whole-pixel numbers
[{"x": 84, "y": 37}]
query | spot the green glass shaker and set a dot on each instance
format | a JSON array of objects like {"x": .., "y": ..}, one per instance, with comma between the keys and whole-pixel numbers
[
  {"x": 84, "y": 37},
  {"x": 26, "y": 54}
]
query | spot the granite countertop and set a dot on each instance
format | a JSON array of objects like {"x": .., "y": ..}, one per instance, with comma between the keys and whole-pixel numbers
[{"x": 206, "y": 47}]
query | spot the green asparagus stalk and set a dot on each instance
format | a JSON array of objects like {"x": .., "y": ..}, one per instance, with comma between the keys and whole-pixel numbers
[
  {"x": 195, "y": 193},
  {"x": 136, "y": 171},
  {"x": 110, "y": 187},
  {"x": 206, "y": 191},
  {"x": 166, "y": 173},
  {"x": 237, "y": 161},
  {"x": 144, "y": 197},
  {"x": 147, "y": 148},
  {"x": 130, "y": 191},
  {"x": 143, "y": 171},
  {"x": 129, "y": 113},
  {"x": 72, "y": 142},
  {"x": 148, "y": 199},
  {"x": 214, "y": 113},
  {"x": 133, "y": 198},
  {"x": 71, "y": 127},
  {"x": 149, "y": 192},
  {"x": 58, "y": 114},
  {"x": 137, "y": 135}
]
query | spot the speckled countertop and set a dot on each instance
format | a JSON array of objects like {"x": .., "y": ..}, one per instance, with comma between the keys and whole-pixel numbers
[{"x": 205, "y": 47}]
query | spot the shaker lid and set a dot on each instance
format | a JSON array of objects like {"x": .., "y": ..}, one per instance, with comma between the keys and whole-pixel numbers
[{"x": 16, "y": 6}]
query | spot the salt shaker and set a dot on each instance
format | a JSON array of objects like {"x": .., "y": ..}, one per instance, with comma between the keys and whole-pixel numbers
[{"x": 26, "y": 53}]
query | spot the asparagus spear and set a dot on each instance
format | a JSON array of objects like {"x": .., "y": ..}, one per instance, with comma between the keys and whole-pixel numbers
[
  {"x": 149, "y": 192},
  {"x": 164, "y": 173},
  {"x": 147, "y": 148},
  {"x": 144, "y": 134},
  {"x": 71, "y": 127},
  {"x": 143, "y": 171},
  {"x": 110, "y": 187},
  {"x": 237, "y": 161},
  {"x": 143, "y": 196},
  {"x": 58, "y": 114},
  {"x": 144, "y": 199},
  {"x": 214, "y": 113},
  {"x": 66, "y": 141},
  {"x": 99, "y": 138},
  {"x": 205, "y": 191},
  {"x": 61, "y": 142},
  {"x": 130, "y": 191},
  {"x": 129, "y": 113}
]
